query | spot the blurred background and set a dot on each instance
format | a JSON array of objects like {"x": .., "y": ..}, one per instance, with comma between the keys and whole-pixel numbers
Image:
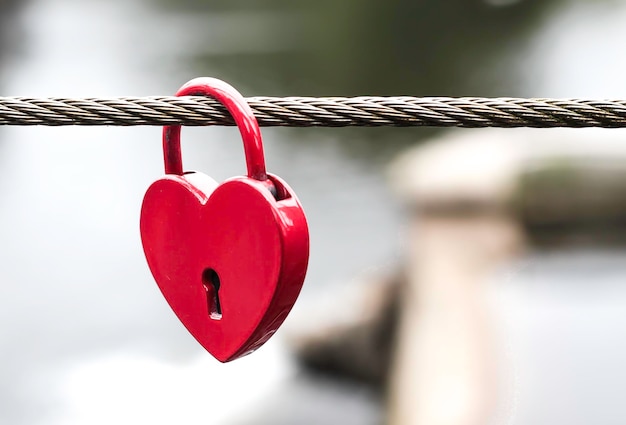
[{"x": 509, "y": 255}]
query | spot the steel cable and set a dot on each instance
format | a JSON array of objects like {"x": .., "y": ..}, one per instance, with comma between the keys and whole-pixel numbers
[{"x": 364, "y": 111}]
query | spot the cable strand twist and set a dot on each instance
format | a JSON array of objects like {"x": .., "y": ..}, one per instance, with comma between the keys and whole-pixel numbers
[{"x": 363, "y": 111}]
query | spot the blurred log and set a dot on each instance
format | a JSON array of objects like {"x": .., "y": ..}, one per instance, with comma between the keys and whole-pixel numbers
[{"x": 353, "y": 332}]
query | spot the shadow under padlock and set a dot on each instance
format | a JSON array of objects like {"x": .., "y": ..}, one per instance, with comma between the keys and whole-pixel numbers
[{"x": 229, "y": 258}]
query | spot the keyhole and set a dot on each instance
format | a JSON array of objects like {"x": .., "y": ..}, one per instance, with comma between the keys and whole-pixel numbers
[{"x": 211, "y": 283}]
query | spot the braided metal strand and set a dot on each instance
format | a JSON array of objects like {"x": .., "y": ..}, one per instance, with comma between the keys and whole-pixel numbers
[{"x": 318, "y": 112}]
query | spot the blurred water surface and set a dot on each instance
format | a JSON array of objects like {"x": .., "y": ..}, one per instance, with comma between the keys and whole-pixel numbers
[{"x": 86, "y": 337}]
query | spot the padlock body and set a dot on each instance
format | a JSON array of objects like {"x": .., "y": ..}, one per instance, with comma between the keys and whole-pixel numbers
[{"x": 258, "y": 247}]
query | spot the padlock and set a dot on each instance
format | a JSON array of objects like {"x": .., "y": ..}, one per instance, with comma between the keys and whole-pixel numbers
[{"x": 229, "y": 258}]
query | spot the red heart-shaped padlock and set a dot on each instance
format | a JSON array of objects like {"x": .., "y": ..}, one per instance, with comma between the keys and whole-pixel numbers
[{"x": 230, "y": 259}]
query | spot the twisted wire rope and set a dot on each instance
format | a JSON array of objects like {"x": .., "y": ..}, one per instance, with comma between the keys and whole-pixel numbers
[{"x": 365, "y": 111}]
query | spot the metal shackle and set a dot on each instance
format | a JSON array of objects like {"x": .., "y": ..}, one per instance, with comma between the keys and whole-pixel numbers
[{"x": 237, "y": 106}]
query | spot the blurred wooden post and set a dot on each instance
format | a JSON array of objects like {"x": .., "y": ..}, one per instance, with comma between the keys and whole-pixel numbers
[
  {"x": 477, "y": 199},
  {"x": 444, "y": 370},
  {"x": 460, "y": 233}
]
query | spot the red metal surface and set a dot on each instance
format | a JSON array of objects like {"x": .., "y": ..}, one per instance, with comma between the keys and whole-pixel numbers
[
  {"x": 230, "y": 259},
  {"x": 242, "y": 114}
]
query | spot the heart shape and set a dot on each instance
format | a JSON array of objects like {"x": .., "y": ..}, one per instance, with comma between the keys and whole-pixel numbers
[{"x": 230, "y": 259}]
